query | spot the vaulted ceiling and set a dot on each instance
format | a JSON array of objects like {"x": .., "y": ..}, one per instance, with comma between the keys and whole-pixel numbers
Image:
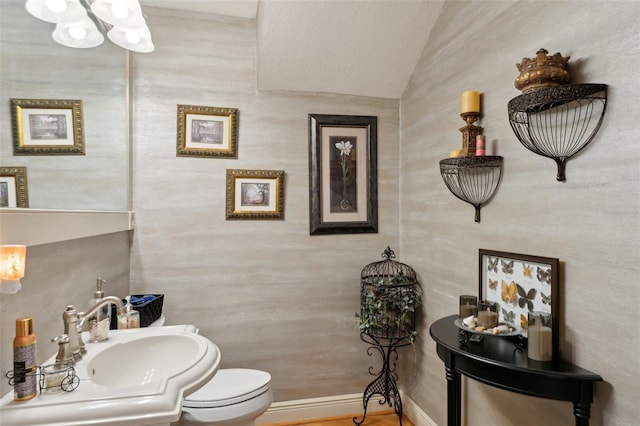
[{"x": 359, "y": 47}]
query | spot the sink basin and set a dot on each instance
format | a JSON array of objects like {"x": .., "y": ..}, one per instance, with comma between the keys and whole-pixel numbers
[
  {"x": 145, "y": 360},
  {"x": 136, "y": 378}
]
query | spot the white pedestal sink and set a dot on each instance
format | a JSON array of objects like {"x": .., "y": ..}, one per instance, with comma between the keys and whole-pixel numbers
[{"x": 136, "y": 378}]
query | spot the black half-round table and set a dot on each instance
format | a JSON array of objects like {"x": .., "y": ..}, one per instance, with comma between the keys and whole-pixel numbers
[{"x": 501, "y": 362}]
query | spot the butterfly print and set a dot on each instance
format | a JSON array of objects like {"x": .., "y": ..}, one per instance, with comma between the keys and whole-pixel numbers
[
  {"x": 509, "y": 292},
  {"x": 544, "y": 275},
  {"x": 546, "y": 299},
  {"x": 493, "y": 284},
  {"x": 526, "y": 270},
  {"x": 508, "y": 316},
  {"x": 493, "y": 265},
  {"x": 507, "y": 267},
  {"x": 524, "y": 323},
  {"x": 526, "y": 297}
]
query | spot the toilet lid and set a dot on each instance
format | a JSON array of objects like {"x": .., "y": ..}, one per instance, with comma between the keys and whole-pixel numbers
[{"x": 229, "y": 386}]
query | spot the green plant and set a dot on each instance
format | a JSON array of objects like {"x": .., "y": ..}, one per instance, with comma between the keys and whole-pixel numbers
[{"x": 388, "y": 307}]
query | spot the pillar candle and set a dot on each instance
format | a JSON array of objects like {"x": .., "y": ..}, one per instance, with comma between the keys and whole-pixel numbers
[
  {"x": 470, "y": 101},
  {"x": 480, "y": 149},
  {"x": 467, "y": 310},
  {"x": 539, "y": 345},
  {"x": 487, "y": 318}
]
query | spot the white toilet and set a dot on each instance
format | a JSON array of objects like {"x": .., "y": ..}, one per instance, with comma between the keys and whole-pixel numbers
[{"x": 233, "y": 397}]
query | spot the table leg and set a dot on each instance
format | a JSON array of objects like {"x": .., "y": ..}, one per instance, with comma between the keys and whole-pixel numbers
[
  {"x": 454, "y": 396},
  {"x": 582, "y": 412}
]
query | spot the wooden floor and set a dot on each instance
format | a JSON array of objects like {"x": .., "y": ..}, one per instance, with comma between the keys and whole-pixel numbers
[{"x": 373, "y": 419}]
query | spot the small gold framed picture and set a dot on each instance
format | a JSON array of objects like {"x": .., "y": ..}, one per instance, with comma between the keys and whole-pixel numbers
[
  {"x": 255, "y": 194},
  {"x": 13, "y": 187},
  {"x": 207, "y": 132},
  {"x": 47, "y": 127}
]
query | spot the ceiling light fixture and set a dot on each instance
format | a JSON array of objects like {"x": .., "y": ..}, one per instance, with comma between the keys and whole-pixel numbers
[{"x": 83, "y": 23}]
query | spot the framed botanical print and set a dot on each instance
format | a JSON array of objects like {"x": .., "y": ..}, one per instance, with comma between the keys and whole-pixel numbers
[{"x": 343, "y": 187}]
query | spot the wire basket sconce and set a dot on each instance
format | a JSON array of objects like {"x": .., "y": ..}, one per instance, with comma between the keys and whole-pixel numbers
[
  {"x": 558, "y": 122},
  {"x": 552, "y": 118},
  {"x": 473, "y": 180}
]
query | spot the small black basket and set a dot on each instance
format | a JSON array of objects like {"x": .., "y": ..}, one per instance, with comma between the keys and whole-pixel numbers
[{"x": 149, "y": 311}]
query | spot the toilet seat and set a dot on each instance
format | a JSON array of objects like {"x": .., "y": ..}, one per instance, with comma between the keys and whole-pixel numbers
[{"x": 228, "y": 387}]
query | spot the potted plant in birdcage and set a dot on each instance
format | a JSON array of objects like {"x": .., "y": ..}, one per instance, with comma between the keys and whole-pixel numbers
[{"x": 388, "y": 308}]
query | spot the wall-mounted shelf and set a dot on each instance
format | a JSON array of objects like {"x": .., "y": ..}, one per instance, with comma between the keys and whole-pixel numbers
[
  {"x": 558, "y": 122},
  {"x": 472, "y": 179},
  {"x": 33, "y": 227}
]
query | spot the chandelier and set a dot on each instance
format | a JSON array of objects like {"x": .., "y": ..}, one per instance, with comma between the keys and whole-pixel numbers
[{"x": 83, "y": 23}]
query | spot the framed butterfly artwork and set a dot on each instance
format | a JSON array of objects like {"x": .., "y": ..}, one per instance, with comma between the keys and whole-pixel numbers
[{"x": 519, "y": 284}]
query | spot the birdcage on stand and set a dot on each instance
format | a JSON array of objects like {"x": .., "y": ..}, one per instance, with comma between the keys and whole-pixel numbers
[{"x": 390, "y": 296}]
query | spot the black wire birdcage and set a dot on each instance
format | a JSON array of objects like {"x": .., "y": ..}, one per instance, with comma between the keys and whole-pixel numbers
[{"x": 389, "y": 298}]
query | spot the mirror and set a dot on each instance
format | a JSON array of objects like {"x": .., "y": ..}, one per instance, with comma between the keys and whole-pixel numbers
[{"x": 35, "y": 67}]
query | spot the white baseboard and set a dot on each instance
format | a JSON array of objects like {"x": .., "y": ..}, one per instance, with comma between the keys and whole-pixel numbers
[
  {"x": 334, "y": 406},
  {"x": 415, "y": 413}
]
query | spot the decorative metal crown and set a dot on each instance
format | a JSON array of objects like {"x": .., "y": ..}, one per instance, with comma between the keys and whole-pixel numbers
[{"x": 542, "y": 71}]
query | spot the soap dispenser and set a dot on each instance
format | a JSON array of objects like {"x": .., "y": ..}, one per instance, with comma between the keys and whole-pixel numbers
[
  {"x": 130, "y": 318},
  {"x": 99, "y": 324}
]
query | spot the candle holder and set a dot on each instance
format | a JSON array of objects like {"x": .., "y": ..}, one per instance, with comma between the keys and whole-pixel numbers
[
  {"x": 469, "y": 134},
  {"x": 468, "y": 306},
  {"x": 539, "y": 336},
  {"x": 488, "y": 314}
]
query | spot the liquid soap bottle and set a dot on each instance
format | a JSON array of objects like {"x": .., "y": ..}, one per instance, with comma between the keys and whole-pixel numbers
[
  {"x": 24, "y": 361},
  {"x": 130, "y": 318},
  {"x": 99, "y": 324}
]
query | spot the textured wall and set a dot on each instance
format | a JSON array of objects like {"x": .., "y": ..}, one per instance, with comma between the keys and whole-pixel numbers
[
  {"x": 590, "y": 222},
  {"x": 33, "y": 66},
  {"x": 270, "y": 295},
  {"x": 57, "y": 275}
]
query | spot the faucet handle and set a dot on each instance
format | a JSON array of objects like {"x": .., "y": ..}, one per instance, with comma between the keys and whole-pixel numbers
[{"x": 64, "y": 351}]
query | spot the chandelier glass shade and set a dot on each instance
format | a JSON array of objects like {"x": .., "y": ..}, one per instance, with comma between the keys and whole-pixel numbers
[
  {"x": 79, "y": 34},
  {"x": 83, "y": 23}
]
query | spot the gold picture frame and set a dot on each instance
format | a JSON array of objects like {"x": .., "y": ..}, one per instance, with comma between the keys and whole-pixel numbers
[
  {"x": 207, "y": 132},
  {"x": 47, "y": 127},
  {"x": 14, "y": 191},
  {"x": 255, "y": 194}
]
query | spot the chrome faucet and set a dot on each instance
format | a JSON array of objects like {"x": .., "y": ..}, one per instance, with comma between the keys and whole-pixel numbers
[{"x": 73, "y": 324}]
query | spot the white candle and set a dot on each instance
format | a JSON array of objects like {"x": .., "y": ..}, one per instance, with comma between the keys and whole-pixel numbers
[{"x": 540, "y": 343}]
